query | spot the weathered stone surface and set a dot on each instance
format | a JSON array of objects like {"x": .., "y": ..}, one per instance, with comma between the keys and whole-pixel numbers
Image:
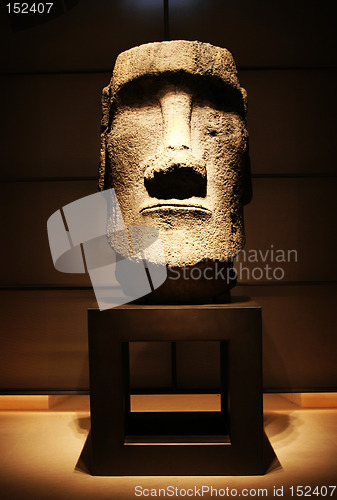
[{"x": 175, "y": 149}]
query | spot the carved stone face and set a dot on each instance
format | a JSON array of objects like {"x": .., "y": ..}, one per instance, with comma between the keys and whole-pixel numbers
[{"x": 175, "y": 149}]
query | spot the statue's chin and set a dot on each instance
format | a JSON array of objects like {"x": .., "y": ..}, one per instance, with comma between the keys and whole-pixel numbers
[{"x": 205, "y": 282}]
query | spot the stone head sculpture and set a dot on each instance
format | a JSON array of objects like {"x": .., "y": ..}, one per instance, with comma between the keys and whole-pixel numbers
[{"x": 175, "y": 149}]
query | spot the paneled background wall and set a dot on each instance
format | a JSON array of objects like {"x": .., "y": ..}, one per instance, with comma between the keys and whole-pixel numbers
[{"x": 51, "y": 80}]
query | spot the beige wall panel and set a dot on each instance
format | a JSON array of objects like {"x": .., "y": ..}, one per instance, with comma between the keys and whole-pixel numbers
[
  {"x": 291, "y": 121},
  {"x": 293, "y": 215},
  {"x": 260, "y": 33},
  {"x": 25, "y": 250},
  {"x": 91, "y": 34},
  {"x": 87, "y": 37},
  {"x": 299, "y": 335},
  {"x": 150, "y": 364},
  {"x": 198, "y": 365},
  {"x": 44, "y": 338},
  {"x": 51, "y": 123}
]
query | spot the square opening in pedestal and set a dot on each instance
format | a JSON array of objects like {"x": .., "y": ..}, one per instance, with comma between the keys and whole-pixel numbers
[{"x": 176, "y": 392}]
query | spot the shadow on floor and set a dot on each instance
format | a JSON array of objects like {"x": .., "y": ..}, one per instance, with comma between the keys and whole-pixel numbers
[{"x": 271, "y": 462}]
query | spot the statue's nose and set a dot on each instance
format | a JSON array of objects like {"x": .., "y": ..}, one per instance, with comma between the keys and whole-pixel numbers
[
  {"x": 176, "y": 113},
  {"x": 175, "y": 172}
]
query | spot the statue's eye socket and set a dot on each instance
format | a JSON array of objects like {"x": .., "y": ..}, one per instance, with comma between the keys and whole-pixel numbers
[{"x": 212, "y": 133}]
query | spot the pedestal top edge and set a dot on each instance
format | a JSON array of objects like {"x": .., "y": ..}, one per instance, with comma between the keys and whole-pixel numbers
[{"x": 236, "y": 303}]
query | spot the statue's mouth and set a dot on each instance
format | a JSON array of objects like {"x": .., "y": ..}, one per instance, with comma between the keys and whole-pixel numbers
[{"x": 175, "y": 207}]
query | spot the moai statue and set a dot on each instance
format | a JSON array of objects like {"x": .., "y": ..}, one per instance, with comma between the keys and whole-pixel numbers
[{"x": 175, "y": 150}]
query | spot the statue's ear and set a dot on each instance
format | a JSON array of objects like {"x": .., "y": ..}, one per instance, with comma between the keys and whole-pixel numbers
[
  {"x": 246, "y": 187},
  {"x": 103, "y": 173},
  {"x": 244, "y": 98},
  {"x": 246, "y": 190}
]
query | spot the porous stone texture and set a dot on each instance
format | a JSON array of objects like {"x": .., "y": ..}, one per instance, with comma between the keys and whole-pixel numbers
[{"x": 175, "y": 149}]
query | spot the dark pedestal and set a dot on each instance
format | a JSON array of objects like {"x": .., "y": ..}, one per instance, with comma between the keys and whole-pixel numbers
[{"x": 226, "y": 442}]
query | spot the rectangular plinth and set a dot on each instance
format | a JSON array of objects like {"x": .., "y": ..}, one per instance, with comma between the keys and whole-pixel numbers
[{"x": 228, "y": 442}]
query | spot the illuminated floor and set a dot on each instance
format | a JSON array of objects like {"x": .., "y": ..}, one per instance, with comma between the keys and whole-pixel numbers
[{"x": 39, "y": 451}]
